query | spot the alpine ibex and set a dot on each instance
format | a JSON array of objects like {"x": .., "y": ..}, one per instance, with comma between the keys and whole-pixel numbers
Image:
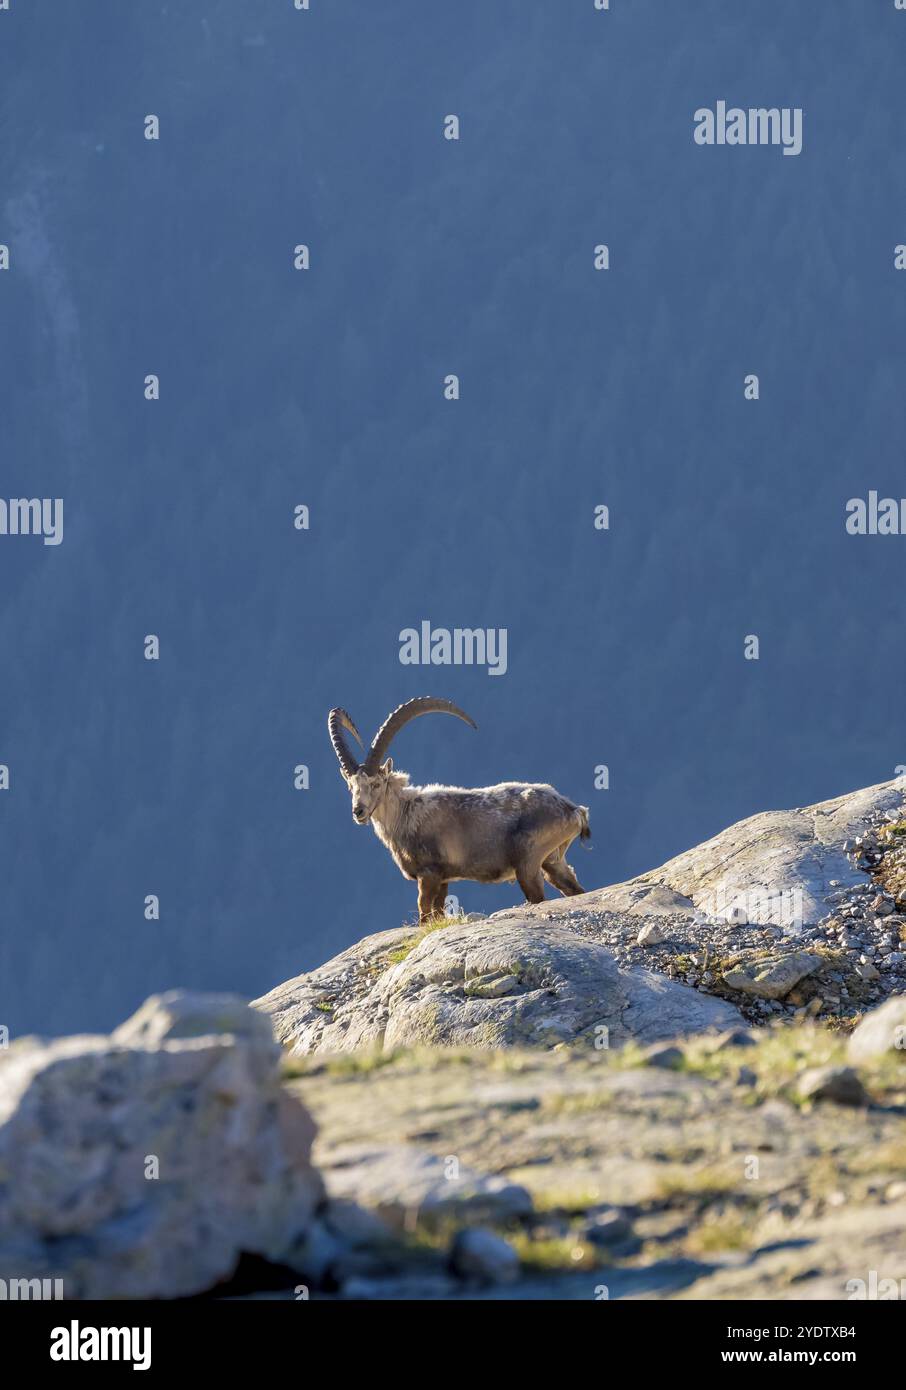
[{"x": 437, "y": 835}]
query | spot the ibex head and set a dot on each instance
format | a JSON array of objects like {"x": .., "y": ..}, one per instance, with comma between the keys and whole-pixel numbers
[{"x": 367, "y": 781}]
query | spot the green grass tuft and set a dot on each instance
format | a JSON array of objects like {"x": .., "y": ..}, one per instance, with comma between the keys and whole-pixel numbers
[{"x": 399, "y": 953}]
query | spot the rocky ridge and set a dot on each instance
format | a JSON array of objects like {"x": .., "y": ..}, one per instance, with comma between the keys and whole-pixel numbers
[
  {"x": 786, "y": 914},
  {"x": 484, "y": 984}
]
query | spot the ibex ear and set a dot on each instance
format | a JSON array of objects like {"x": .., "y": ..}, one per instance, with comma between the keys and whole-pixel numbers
[{"x": 387, "y": 767}]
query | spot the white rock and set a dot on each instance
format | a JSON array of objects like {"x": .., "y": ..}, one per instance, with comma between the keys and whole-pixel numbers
[
  {"x": 482, "y": 1255},
  {"x": 881, "y": 1031},
  {"x": 652, "y": 934},
  {"x": 143, "y": 1165},
  {"x": 772, "y": 977}
]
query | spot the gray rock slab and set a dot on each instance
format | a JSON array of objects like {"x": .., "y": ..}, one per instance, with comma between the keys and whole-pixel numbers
[{"x": 568, "y": 989}]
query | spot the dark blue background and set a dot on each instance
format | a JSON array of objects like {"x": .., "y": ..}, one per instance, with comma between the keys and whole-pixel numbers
[{"x": 280, "y": 387}]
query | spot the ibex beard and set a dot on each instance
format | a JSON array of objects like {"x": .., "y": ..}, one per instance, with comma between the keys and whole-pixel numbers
[{"x": 438, "y": 835}]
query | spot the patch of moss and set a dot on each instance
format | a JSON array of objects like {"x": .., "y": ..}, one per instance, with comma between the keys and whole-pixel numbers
[
  {"x": 576, "y": 1102},
  {"x": 725, "y": 1231},
  {"x": 399, "y": 953},
  {"x": 553, "y": 1254},
  {"x": 566, "y": 1201},
  {"x": 776, "y": 1061},
  {"x": 704, "y": 1182},
  {"x": 359, "y": 1063},
  {"x": 888, "y": 1157}
]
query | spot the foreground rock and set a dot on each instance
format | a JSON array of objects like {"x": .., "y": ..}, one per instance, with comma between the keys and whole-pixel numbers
[
  {"x": 144, "y": 1164},
  {"x": 839, "y": 1084},
  {"x": 406, "y": 1185},
  {"x": 486, "y": 984},
  {"x": 485, "y": 1257},
  {"x": 881, "y": 1034}
]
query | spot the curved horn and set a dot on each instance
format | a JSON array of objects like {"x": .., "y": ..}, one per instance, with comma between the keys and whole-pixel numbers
[
  {"x": 337, "y": 721},
  {"x": 423, "y": 704}
]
